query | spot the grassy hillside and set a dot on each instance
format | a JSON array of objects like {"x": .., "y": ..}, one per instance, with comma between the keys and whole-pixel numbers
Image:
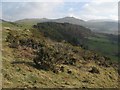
[{"x": 63, "y": 65}]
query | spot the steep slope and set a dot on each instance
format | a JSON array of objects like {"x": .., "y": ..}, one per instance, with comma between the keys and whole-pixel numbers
[{"x": 63, "y": 65}]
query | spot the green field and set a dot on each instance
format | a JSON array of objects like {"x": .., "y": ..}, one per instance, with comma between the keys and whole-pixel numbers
[{"x": 101, "y": 44}]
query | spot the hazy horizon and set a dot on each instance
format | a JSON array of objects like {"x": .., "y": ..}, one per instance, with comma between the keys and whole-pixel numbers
[{"x": 64, "y": 17}]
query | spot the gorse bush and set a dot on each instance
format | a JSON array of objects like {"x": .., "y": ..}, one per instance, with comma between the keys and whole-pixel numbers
[
  {"x": 16, "y": 39},
  {"x": 48, "y": 57}
]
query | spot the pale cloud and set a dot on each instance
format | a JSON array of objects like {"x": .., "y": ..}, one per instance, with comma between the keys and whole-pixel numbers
[
  {"x": 71, "y": 9},
  {"x": 100, "y": 10},
  {"x": 97, "y": 1},
  {"x": 94, "y": 9},
  {"x": 32, "y": 0},
  {"x": 102, "y": 1},
  {"x": 0, "y": 10},
  {"x": 33, "y": 10},
  {"x": 92, "y": 17}
]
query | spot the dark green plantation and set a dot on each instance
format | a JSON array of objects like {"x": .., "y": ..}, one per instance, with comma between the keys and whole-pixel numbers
[{"x": 73, "y": 34}]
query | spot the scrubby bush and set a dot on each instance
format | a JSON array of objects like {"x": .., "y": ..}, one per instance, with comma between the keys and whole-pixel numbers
[
  {"x": 48, "y": 57},
  {"x": 94, "y": 70},
  {"x": 16, "y": 39},
  {"x": 44, "y": 58}
]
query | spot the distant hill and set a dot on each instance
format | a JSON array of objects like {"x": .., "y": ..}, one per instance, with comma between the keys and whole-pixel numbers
[
  {"x": 9, "y": 24},
  {"x": 110, "y": 27},
  {"x": 102, "y": 20},
  {"x": 1, "y": 20},
  {"x": 31, "y": 21},
  {"x": 102, "y": 26},
  {"x": 71, "y": 20}
]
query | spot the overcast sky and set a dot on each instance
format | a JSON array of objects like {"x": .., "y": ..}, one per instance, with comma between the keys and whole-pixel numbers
[{"x": 84, "y": 9}]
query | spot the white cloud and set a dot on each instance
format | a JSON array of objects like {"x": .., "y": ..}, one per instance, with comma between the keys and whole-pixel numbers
[
  {"x": 34, "y": 10},
  {"x": 102, "y": 1},
  {"x": 43, "y": 10},
  {"x": 100, "y": 10},
  {"x": 32, "y": 0},
  {"x": 97, "y": 1},
  {"x": 70, "y": 9},
  {"x": 0, "y": 10}
]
